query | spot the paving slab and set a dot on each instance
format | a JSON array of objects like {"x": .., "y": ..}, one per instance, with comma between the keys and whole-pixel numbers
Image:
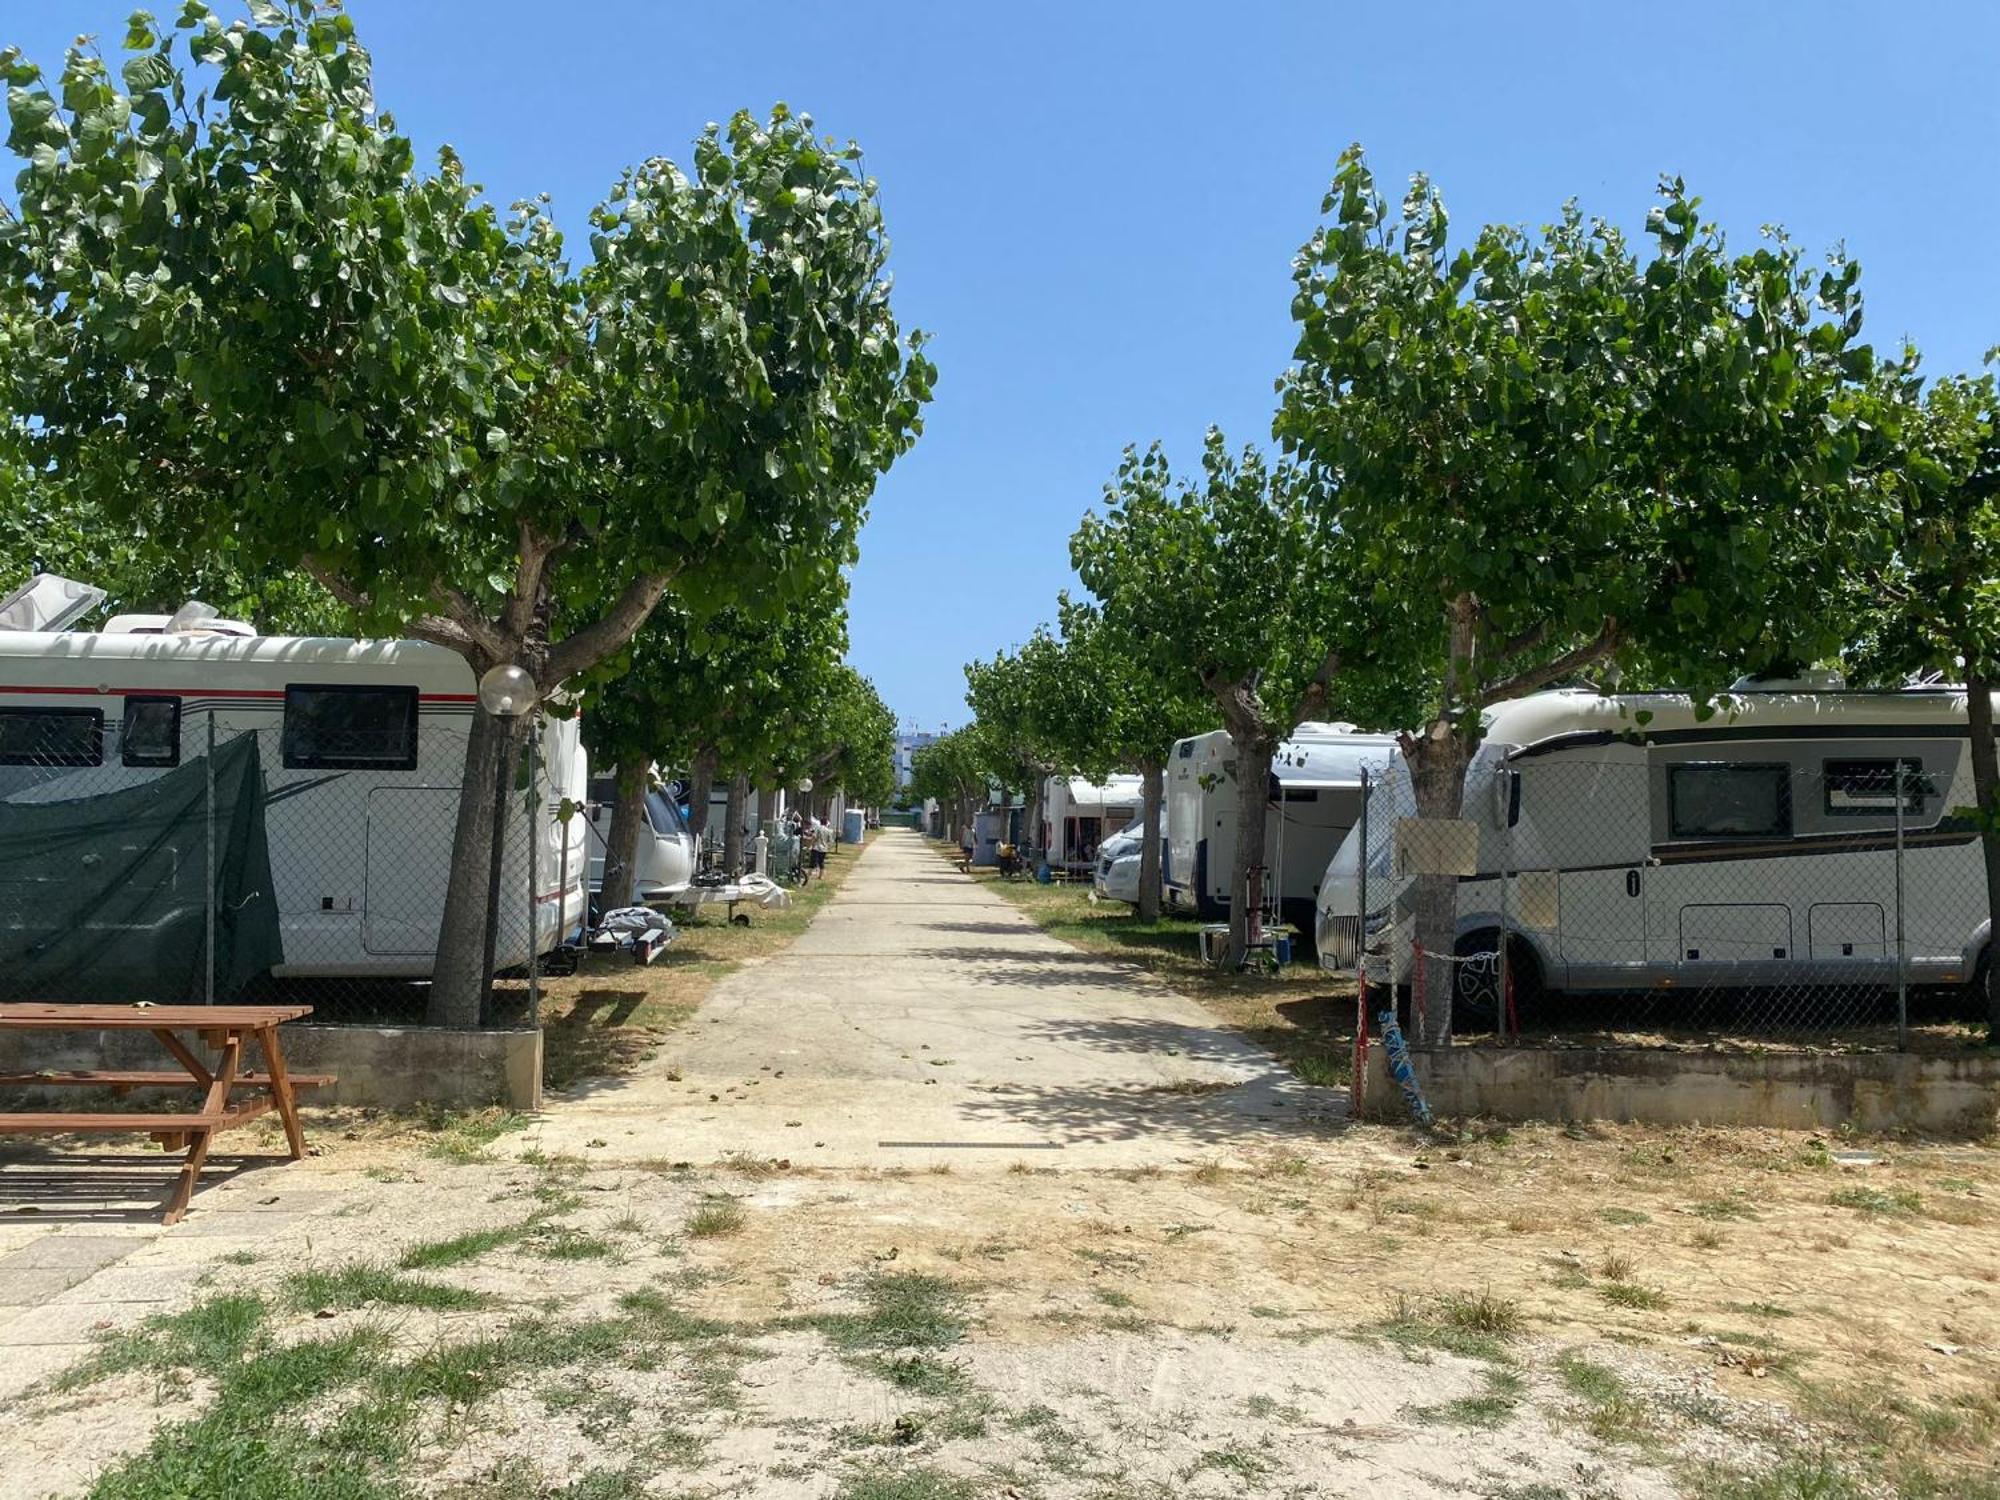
[
  {"x": 69, "y": 1323},
  {"x": 82, "y": 1253},
  {"x": 134, "y": 1283},
  {"x": 923, "y": 1019}
]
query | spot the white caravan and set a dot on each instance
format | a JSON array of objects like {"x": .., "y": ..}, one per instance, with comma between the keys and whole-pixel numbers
[
  {"x": 1315, "y": 796},
  {"x": 1078, "y": 815},
  {"x": 362, "y": 745},
  {"x": 665, "y": 857},
  {"x": 1653, "y": 849}
]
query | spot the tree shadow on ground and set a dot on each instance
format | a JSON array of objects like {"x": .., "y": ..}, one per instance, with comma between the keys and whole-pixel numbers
[
  {"x": 49, "y": 1185},
  {"x": 593, "y": 1039},
  {"x": 1268, "y": 1112}
]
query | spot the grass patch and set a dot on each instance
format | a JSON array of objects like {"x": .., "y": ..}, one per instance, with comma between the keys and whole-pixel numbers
[
  {"x": 1732, "y": 1207},
  {"x": 716, "y": 1217},
  {"x": 208, "y": 1338},
  {"x": 902, "y": 1310},
  {"x": 437, "y": 1255},
  {"x": 915, "y": 1482},
  {"x": 1233, "y": 1458},
  {"x": 564, "y": 1243},
  {"x": 921, "y": 1375},
  {"x": 1631, "y": 1294},
  {"x": 1623, "y": 1216},
  {"x": 463, "y": 1137},
  {"x": 369, "y": 1285},
  {"x": 1893, "y": 1201},
  {"x": 1472, "y": 1326},
  {"x": 1489, "y": 1409},
  {"x": 1610, "y": 1412}
]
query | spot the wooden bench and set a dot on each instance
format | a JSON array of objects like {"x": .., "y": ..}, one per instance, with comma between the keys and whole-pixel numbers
[{"x": 225, "y": 1029}]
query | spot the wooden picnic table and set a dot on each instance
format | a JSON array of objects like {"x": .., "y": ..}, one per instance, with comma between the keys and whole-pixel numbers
[{"x": 223, "y": 1029}]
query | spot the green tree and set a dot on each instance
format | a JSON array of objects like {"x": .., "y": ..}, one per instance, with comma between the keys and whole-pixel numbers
[
  {"x": 1937, "y": 603},
  {"x": 1223, "y": 582},
  {"x": 701, "y": 692},
  {"x": 952, "y": 771},
  {"x": 280, "y": 338},
  {"x": 1033, "y": 705},
  {"x": 1129, "y": 714},
  {"x": 1539, "y": 453}
]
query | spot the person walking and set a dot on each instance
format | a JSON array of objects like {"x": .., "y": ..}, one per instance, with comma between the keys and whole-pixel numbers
[{"x": 822, "y": 839}]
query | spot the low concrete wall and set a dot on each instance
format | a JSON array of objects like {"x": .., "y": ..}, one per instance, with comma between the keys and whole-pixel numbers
[
  {"x": 1955, "y": 1095},
  {"x": 388, "y": 1067}
]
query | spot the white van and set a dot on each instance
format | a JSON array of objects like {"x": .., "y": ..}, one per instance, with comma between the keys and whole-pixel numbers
[
  {"x": 1652, "y": 848},
  {"x": 1315, "y": 796},
  {"x": 363, "y": 754},
  {"x": 666, "y": 854},
  {"x": 1116, "y": 875}
]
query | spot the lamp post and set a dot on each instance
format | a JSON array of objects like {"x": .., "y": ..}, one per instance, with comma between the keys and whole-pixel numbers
[{"x": 506, "y": 692}]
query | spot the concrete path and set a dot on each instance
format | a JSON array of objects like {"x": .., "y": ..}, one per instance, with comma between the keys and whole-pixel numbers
[{"x": 923, "y": 1019}]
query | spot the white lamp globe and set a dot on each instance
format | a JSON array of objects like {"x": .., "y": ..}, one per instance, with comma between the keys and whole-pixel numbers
[{"x": 507, "y": 692}]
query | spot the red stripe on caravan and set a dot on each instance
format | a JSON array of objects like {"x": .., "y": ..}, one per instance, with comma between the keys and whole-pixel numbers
[{"x": 160, "y": 692}]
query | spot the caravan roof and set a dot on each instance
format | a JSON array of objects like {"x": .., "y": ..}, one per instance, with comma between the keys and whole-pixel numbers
[
  {"x": 1113, "y": 791},
  {"x": 1314, "y": 755},
  {"x": 203, "y": 663},
  {"x": 1571, "y": 715}
]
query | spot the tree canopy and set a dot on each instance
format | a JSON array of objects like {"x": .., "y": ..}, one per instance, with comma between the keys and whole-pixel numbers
[{"x": 239, "y": 315}]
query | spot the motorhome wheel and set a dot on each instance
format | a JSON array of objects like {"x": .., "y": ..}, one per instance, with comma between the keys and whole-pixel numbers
[{"x": 1476, "y": 987}]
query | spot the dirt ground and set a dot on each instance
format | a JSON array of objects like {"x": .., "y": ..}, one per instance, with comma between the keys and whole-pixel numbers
[
  {"x": 1296, "y": 1306},
  {"x": 1534, "y": 1313}
]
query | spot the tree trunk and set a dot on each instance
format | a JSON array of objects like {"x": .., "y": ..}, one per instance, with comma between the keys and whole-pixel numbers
[
  {"x": 1437, "y": 764},
  {"x": 732, "y": 833},
  {"x": 701, "y": 785},
  {"x": 1255, "y": 749},
  {"x": 459, "y": 980},
  {"x": 621, "y": 848},
  {"x": 1985, "y": 781},
  {"x": 1149, "y": 839},
  {"x": 1037, "y": 805}
]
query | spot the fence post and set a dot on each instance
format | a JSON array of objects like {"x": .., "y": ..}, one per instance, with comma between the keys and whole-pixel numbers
[
  {"x": 1417, "y": 967},
  {"x": 1357, "y": 1090},
  {"x": 1902, "y": 966},
  {"x": 208, "y": 879},
  {"x": 1503, "y": 991},
  {"x": 534, "y": 830}
]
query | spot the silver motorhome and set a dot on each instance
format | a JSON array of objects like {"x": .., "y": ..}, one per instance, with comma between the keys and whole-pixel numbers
[
  {"x": 1651, "y": 845},
  {"x": 1315, "y": 795}
]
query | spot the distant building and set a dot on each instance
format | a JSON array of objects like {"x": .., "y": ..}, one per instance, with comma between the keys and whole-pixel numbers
[{"x": 908, "y": 743}]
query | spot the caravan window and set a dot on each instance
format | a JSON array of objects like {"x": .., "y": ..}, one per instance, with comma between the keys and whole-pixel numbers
[
  {"x": 350, "y": 728},
  {"x": 151, "y": 735},
  {"x": 51, "y": 737},
  {"x": 1867, "y": 788},
  {"x": 664, "y": 813},
  {"x": 1718, "y": 801}
]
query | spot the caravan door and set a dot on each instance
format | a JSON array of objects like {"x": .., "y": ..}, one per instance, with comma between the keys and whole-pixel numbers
[
  {"x": 410, "y": 833},
  {"x": 1586, "y": 817}
]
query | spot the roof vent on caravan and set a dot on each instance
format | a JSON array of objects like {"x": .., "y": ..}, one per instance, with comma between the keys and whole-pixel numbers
[
  {"x": 1816, "y": 680},
  {"x": 47, "y": 602},
  {"x": 192, "y": 618}
]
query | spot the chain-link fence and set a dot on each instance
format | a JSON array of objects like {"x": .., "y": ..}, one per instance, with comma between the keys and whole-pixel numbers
[
  {"x": 1820, "y": 898},
  {"x": 153, "y": 849}
]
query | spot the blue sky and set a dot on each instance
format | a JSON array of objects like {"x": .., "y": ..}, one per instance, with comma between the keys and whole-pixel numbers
[{"x": 1094, "y": 206}]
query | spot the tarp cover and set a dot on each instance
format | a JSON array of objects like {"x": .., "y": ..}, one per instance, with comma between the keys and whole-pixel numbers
[{"x": 101, "y": 897}]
